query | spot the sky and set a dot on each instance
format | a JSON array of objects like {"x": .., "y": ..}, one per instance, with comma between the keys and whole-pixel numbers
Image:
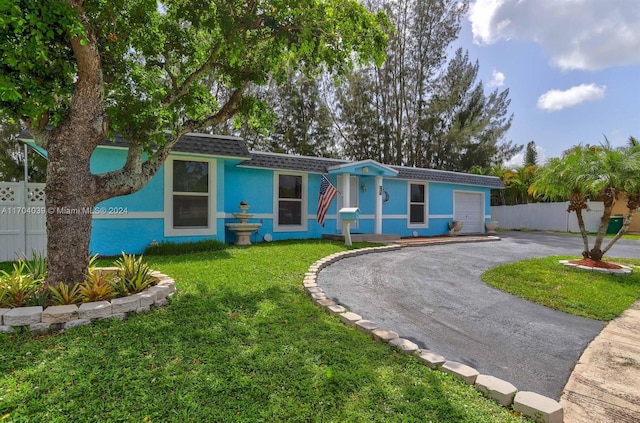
[{"x": 572, "y": 68}]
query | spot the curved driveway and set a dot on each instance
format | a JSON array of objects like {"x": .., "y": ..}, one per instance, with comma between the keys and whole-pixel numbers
[{"x": 434, "y": 296}]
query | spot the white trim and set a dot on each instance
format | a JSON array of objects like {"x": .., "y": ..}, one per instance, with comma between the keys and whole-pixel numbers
[
  {"x": 169, "y": 229},
  {"x": 131, "y": 215},
  {"x": 305, "y": 200},
  {"x": 395, "y": 216},
  {"x": 425, "y": 224}
]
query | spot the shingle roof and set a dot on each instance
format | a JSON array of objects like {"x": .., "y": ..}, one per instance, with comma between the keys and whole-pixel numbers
[
  {"x": 320, "y": 165},
  {"x": 290, "y": 162},
  {"x": 213, "y": 145},
  {"x": 227, "y": 146}
]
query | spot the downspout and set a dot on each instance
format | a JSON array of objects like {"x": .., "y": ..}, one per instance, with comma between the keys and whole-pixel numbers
[{"x": 26, "y": 198}]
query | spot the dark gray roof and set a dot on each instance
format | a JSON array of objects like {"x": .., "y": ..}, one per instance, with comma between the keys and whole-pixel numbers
[
  {"x": 227, "y": 146},
  {"x": 291, "y": 162},
  {"x": 320, "y": 165},
  {"x": 213, "y": 145},
  {"x": 446, "y": 176}
]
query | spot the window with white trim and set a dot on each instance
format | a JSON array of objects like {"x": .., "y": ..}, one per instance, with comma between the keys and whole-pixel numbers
[
  {"x": 189, "y": 203},
  {"x": 290, "y": 202},
  {"x": 417, "y": 204}
]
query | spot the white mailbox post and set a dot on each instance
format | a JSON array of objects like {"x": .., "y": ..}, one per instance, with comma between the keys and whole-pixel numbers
[{"x": 348, "y": 215}]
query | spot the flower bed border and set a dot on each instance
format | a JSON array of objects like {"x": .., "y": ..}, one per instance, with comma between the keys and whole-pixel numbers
[{"x": 40, "y": 319}]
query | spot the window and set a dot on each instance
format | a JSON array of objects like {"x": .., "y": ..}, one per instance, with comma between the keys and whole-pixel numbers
[
  {"x": 189, "y": 198},
  {"x": 417, "y": 204},
  {"x": 290, "y": 202},
  {"x": 190, "y": 194}
]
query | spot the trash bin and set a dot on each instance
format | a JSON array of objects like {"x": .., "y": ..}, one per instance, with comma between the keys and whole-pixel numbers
[{"x": 615, "y": 223}]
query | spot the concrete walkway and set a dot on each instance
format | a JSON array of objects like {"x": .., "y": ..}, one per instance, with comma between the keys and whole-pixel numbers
[
  {"x": 435, "y": 297},
  {"x": 605, "y": 384}
]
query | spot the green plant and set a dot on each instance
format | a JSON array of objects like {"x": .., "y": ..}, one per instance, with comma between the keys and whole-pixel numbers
[
  {"x": 134, "y": 274},
  {"x": 37, "y": 266},
  {"x": 63, "y": 295},
  {"x": 17, "y": 287},
  {"x": 97, "y": 287},
  {"x": 92, "y": 264}
]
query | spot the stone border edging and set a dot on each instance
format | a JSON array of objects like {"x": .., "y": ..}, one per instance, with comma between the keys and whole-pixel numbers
[
  {"x": 62, "y": 317},
  {"x": 530, "y": 404},
  {"x": 624, "y": 270}
]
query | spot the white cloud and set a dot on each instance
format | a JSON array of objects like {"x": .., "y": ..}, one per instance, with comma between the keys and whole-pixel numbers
[
  {"x": 497, "y": 79},
  {"x": 554, "y": 100},
  {"x": 577, "y": 34},
  {"x": 518, "y": 160}
]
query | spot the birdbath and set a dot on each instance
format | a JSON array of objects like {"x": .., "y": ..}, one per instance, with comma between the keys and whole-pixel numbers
[{"x": 244, "y": 229}]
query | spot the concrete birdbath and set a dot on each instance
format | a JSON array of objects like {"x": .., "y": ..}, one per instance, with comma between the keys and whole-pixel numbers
[{"x": 243, "y": 229}]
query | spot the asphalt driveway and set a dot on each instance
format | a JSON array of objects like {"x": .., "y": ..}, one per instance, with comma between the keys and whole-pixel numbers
[{"x": 434, "y": 296}]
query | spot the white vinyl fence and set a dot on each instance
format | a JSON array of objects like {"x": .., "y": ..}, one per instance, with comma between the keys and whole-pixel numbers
[
  {"x": 546, "y": 217},
  {"x": 22, "y": 220}
]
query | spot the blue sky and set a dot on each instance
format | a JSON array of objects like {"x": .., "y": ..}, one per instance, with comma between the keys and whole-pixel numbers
[{"x": 572, "y": 68}]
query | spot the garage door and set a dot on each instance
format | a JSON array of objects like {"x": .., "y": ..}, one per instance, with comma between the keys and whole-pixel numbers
[{"x": 469, "y": 208}]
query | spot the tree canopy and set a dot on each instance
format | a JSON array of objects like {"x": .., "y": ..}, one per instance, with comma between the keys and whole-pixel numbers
[{"x": 153, "y": 71}]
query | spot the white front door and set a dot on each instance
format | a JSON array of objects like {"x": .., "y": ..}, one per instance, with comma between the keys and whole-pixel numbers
[{"x": 469, "y": 208}]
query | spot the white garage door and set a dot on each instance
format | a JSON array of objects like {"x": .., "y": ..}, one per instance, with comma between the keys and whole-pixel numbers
[{"x": 469, "y": 208}]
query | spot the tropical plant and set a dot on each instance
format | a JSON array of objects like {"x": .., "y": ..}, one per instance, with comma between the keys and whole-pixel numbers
[
  {"x": 63, "y": 295},
  {"x": 134, "y": 274},
  {"x": 17, "y": 287},
  {"x": 37, "y": 265},
  {"x": 97, "y": 287},
  {"x": 590, "y": 172}
]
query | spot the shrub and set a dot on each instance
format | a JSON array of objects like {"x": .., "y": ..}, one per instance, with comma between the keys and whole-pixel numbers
[
  {"x": 63, "y": 295},
  {"x": 17, "y": 287},
  {"x": 97, "y": 287},
  {"x": 134, "y": 275},
  {"x": 37, "y": 266}
]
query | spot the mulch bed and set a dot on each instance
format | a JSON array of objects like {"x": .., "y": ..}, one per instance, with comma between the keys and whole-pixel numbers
[{"x": 593, "y": 263}]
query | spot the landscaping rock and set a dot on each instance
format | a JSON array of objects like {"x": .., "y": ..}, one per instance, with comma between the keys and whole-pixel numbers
[
  {"x": 383, "y": 335},
  {"x": 2, "y": 312},
  {"x": 325, "y": 302},
  {"x": 40, "y": 327},
  {"x": 404, "y": 345},
  {"x": 22, "y": 316},
  {"x": 169, "y": 283},
  {"x": 125, "y": 304},
  {"x": 313, "y": 290},
  {"x": 318, "y": 296},
  {"x": 431, "y": 359},
  {"x": 6, "y": 329},
  {"x": 161, "y": 302},
  {"x": 350, "y": 318},
  {"x": 160, "y": 291},
  {"x": 119, "y": 316},
  {"x": 77, "y": 322},
  {"x": 500, "y": 390},
  {"x": 461, "y": 371},
  {"x": 146, "y": 300},
  {"x": 336, "y": 309},
  {"x": 538, "y": 407},
  {"x": 60, "y": 314},
  {"x": 366, "y": 326},
  {"x": 95, "y": 310}
]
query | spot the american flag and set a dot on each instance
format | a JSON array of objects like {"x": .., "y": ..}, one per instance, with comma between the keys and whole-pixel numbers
[{"x": 327, "y": 192}]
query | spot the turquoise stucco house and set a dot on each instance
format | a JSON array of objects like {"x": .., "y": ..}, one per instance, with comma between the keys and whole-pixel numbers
[{"x": 206, "y": 177}]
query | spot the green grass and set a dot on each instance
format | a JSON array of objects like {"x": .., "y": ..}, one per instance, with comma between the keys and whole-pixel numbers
[
  {"x": 583, "y": 293},
  {"x": 240, "y": 342}
]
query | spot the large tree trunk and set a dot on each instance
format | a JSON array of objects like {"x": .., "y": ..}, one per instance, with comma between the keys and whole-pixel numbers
[{"x": 70, "y": 194}]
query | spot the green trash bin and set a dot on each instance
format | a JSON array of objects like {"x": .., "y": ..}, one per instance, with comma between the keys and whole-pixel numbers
[{"x": 615, "y": 223}]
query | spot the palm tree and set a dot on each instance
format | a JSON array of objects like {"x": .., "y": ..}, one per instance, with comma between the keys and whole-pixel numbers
[{"x": 586, "y": 172}]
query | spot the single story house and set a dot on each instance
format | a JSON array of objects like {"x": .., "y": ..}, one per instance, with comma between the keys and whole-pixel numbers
[{"x": 206, "y": 177}]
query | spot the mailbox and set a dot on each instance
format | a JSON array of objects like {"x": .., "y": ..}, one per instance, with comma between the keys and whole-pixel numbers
[{"x": 349, "y": 213}]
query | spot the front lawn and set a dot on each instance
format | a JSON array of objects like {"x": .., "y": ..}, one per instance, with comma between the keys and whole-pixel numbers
[
  {"x": 583, "y": 293},
  {"x": 240, "y": 342}
]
